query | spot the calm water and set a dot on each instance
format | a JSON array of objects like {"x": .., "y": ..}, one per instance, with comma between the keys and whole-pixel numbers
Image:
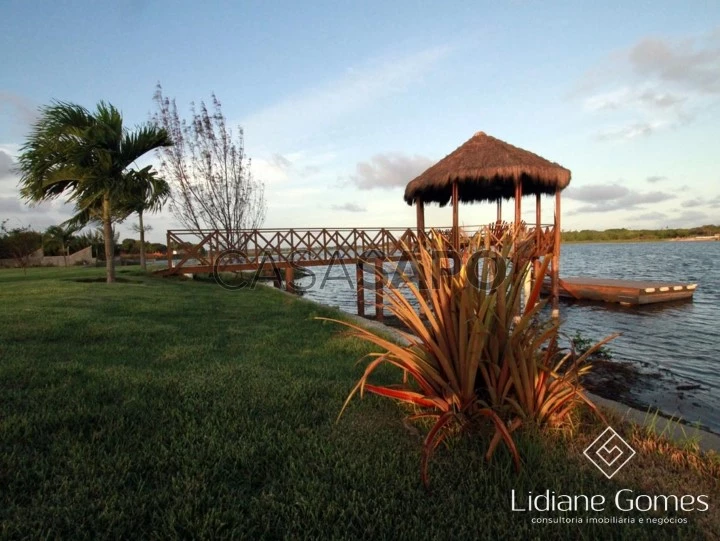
[{"x": 673, "y": 345}]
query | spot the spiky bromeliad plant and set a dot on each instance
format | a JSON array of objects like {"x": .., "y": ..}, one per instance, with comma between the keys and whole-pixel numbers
[
  {"x": 470, "y": 353},
  {"x": 524, "y": 372}
]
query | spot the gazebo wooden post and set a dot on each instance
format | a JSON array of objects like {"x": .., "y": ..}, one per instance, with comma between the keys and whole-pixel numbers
[
  {"x": 518, "y": 198},
  {"x": 516, "y": 231},
  {"x": 499, "y": 209},
  {"x": 456, "y": 226},
  {"x": 538, "y": 237},
  {"x": 556, "y": 260},
  {"x": 420, "y": 211}
]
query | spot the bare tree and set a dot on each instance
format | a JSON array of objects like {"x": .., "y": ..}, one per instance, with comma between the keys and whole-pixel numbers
[{"x": 212, "y": 184}]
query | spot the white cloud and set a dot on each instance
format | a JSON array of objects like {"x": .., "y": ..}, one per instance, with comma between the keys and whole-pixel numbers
[
  {"x": 596, "y": 192},
  {"x": 709, "y": 202},
  {"x": 7, "y": 165},
  {"x": 609, "y": 197},
  {"x": 279, "y": 169},
  {"x": 388, "y": 170},
  {"x": 23, "y": 111},
  {"x": 299, "y": 197},
  {"x": 656, "y": 84},
  {"x": 317, "y": 108},
  {"x": 649, "y": 216},
  {"x": 626, "y": 133},
  {"x": 692, "y": 63},
  {"x": 348, "y": 207},
  {"x": 268, "y": 171},
  {"x": 688, "y": 218},
  {"x": 627, "y": 97},
  {"x": 10, "y": 205}
]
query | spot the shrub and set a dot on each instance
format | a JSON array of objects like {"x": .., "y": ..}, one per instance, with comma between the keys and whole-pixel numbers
[
  {"x": 472, "y": 355},
  {"x": 581, "y": 344}
]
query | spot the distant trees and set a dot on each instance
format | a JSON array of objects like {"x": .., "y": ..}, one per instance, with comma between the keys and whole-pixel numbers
[
  {"x": 130, "y": 246},
  {"x": 58, "y": 238},
  {"x": 213, "y": 186},
  {"x": 147, "y": 192},
  {"x": 87, "y": 157},
  {"x": 93, "y": 238},
  {"x": 623, "y": 234},
  {"x": 19, "y": 244}
]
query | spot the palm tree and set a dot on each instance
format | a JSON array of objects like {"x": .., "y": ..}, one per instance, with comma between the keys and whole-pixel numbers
[
  {"x": 85, "y": 156},
  {"x": 61, "y": 236},
  {"x": 147, "y": 192}
]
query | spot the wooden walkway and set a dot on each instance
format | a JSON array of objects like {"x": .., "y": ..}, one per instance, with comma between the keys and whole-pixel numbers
[
  {"x": 275, "y": 250},
  {"x": 207, "y": 250},
  {"x": 624, "y": 291},
  {"x": 203, "y": 251}
]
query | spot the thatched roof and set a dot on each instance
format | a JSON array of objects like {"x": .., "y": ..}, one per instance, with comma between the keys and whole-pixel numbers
[{"x": 487, "y": 169}]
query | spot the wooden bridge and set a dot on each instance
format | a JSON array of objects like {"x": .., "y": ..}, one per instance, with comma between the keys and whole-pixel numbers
[{"x": 213, "y": 251}]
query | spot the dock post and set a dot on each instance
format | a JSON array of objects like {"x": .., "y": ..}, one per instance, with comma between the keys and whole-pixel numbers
[
  {"x": 289, "y": 285},
  {"x": 379, "y": 315},
  {"x": 360, "y": 286},
  {"x": 277, "y": 278},
  {"x": 169, "y": 252}
]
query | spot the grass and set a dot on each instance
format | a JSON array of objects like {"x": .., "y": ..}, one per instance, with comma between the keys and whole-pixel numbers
[{"x": 159, "y": 408}]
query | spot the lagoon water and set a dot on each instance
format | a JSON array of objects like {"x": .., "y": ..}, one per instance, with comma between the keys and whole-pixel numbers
[{"x": 676, "y": 346}]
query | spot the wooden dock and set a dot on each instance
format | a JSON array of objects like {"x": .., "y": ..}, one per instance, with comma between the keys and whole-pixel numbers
[{"x": 624, "y": 291}]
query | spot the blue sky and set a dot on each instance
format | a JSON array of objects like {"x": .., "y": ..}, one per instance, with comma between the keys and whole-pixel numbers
[{"x": 344, "y": 102}]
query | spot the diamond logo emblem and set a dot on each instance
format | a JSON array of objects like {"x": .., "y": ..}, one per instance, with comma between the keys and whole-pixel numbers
[{"x": 609, "y": 452}]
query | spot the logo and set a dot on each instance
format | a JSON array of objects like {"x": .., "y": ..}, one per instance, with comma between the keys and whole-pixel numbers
[{"x": 609, "y": 452}]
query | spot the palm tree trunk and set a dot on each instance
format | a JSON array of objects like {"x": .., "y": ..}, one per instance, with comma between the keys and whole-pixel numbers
[
  {"x": 143, "y": 265},
  {"x": 65, "y": 252},
  {"x": 109, "y": 240}
]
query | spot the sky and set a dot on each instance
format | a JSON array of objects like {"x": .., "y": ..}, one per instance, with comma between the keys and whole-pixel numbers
[{"x": 343, "y": 103}]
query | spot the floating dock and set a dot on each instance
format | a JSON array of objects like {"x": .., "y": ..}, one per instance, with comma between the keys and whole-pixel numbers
[{"x": 624, "y": 291}]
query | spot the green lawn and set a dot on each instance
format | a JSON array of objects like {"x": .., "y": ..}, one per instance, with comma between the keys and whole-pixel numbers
[{"x": 159, "y": 408}]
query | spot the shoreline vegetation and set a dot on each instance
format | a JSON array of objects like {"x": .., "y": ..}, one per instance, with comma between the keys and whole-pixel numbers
[
  {"x": 157, "y": 407},
  {"x": 703, "y": 233}
]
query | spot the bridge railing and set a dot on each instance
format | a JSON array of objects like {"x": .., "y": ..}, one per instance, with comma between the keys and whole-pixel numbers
[{"x": 199, "y": 250}]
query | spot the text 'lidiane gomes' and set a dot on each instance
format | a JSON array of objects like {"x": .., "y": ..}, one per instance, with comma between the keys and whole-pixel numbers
[{"x": 624, "y": 500}]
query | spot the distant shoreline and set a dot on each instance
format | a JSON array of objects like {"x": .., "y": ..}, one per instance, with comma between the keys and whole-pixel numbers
[
  {"x": 705, "y": 233},
  {"x": 629, "y": 241}
]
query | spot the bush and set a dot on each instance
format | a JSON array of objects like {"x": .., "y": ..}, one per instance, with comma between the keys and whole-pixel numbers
[
  {"x": 473, "y": 355},
  {"x": 581, "y": 345}
]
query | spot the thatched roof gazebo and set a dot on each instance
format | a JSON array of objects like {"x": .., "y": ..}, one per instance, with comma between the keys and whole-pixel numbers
[{"x": 487, "y": 169}]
